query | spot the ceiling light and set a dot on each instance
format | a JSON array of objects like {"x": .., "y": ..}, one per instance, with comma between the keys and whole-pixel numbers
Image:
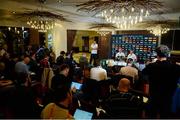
[
  {"x": 42, "y": 20},
  {"x": 161, "y": 26},
  {"x": 158, "y": 30},
  {"x": 9, "y": 28},
  {"x": 102, "y": 29},
  {"x": 125, "y": 10},
  {"x": 13, "y": 12},
  {"x": 103, "y": 33}
]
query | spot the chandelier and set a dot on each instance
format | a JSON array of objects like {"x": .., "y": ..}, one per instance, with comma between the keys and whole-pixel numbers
[
  {"x": 42, "y": 20},
  {"x": 162, "y": 26},
  {"x": 103, "y": 33},
  {"x": 158, "y": 30},
  {"x": 126, "y": 19},
  {"x": 41, "y": 23},
  {"x": 122, "y": 13},
  {"x": 102, "y": 29}
]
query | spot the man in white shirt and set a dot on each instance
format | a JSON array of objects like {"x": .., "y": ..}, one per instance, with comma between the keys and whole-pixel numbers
[
  {"x": 120, "y": 55},
  {"x": 129, "y": 70},
  {"x": 132, "y": 56},
  {"x": 94, "y": 52},
  {"x": 98, "y": 73}
]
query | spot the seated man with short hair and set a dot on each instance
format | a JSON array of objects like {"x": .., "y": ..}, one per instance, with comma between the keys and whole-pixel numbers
[
  {"x": 59, "y": 108},
  {"x": 97, "y": 72},
  {"x": 122, "y": 103}
]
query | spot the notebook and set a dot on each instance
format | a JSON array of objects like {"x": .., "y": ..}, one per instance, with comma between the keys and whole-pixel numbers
[
  {"x": 76, "y": 85},
  {"x": 82, "y": 115}
]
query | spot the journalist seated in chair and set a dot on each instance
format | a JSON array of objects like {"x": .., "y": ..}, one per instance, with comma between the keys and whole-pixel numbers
[
  {"x": 130, "y": 70},
  {"x": 97, "y": 72},
  {"x": 59, "y": 109},
  {"x": 21, "y": 69},
  {"x": 122, "y": 103},
  {"x": 120, "y": 54},
  {"x": 61, "y": 77}
]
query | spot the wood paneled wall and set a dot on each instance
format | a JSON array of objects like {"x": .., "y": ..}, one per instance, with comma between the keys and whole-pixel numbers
[
  {"x": 70, "y": 38},
  {"x": 34, "y": 37},
  {"x": 104, "y": 46}
]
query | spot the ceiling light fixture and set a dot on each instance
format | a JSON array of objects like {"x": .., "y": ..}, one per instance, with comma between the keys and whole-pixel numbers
[
  {"x": 42, "y": 20},
  {"x": 103, "y": 33},
  {"x": 123, "y": 13},
  {"x": 102, "y": 29},
  {"x": 161, "y": 26},
  {"x": 158, "y": 30}
]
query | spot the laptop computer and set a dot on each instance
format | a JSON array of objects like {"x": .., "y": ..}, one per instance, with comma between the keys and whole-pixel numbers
[
  {"x": 82, "y": 115},
  {"x": 145, "y": 99},
  {"x": 76, "y": 85}
]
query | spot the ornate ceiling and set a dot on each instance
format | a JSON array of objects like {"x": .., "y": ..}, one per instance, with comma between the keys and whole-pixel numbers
[{"x": 10, "y": 8}]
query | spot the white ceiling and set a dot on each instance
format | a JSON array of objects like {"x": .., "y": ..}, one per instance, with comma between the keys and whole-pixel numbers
[{"x": 171, "y": 11}]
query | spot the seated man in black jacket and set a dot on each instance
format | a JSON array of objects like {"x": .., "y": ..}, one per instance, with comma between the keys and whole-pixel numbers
[
  {"x": 61, "y": 79},
  {"x": 122, "y": 103}
]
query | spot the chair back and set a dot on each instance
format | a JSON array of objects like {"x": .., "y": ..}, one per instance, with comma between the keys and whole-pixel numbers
[{"x": 124, "y": 106}]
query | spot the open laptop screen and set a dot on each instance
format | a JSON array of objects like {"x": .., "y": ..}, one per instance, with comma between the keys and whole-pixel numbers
[
  {"x": 76, "y": 85},
  {"x": 145, "y": 99},
  {"x": 82, "y": 115}
]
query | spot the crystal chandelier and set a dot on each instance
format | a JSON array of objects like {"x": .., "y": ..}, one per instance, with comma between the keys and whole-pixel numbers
[
  {"x": 102, "y": 29},
  {"x": 124, "y": 19},
  {"x": 158, "y": 30},
  {"x": 122, "y": 13},
  {"x": 42, "y": 20},
  {"x": 103, "y": 33},
  {"x": 41, "y": 24}
]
